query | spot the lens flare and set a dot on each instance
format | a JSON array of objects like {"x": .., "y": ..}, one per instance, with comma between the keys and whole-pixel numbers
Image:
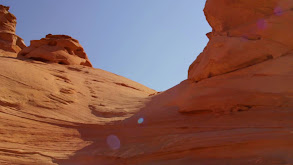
[
  {"x": 140, "y": 120},
  {"x": 113, "y": 142}
]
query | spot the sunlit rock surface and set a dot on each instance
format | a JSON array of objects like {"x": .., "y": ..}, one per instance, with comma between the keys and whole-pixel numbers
[
  {"x": 10, "y": 43},
  {"x": 248, "y": 60},
  {"x": 245, "y": 33},
  {"x": 60, "y": 49},
  {"x": 240, "y": 114},
  {"x": 41, "y": 112}
]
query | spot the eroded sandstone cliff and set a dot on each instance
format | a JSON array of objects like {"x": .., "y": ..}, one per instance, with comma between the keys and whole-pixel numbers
[
  {"x": 234, "y": 108},
  {"x": 248, "y": 59},
  {"x": 244, "y": 33},
  {"x": 10, "y": 43}
]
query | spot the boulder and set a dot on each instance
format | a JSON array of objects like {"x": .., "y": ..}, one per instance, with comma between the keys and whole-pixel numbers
[{"x": 61, "y": 49}]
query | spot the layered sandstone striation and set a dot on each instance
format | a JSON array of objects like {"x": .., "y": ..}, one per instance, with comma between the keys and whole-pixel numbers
[
  {"x": 9, "y": 41},
  {"x": 41, "y": 112},
  {"x": 60, "y": 49},
  {"x": 247, "y": 60},
  {"x": 234, "y": 108},
  {"x": 244, "y": 33}
]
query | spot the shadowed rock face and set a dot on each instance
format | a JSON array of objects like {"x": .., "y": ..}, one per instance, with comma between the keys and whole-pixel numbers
[
  {"x": 59, "y": 49},
  {"x": 9, "y": 41}
]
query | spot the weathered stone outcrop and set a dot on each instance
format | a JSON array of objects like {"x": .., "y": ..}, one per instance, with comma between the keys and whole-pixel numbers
[
  {"x": 244, "y": 33},
  {"x": 60, "y": 49},
  {"x": 247, "y": 62},
  {"x": 235, "y": 108},
  {"x": 9, "y": 41}
]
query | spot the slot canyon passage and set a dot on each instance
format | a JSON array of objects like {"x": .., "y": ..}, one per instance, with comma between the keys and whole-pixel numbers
[{"x": 235, "y": 108}]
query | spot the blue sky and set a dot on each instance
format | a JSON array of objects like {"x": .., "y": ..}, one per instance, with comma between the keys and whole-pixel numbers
[{"x": 152, "y": 42}]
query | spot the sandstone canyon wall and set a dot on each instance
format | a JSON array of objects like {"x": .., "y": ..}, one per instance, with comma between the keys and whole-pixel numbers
[
  {"x": 234, "y": 108},
  {"x": 10, "y": 43},
  {"x": 248, "y": 57}
]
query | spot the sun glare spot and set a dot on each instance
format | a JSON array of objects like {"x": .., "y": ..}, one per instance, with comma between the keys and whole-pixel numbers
[{"x": 140, "y": 120}]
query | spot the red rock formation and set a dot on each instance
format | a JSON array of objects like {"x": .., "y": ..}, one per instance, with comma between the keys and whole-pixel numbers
[
  {"x": 60, "y": 49},
  {"x": 240, "y": 114},
  {"x": 41, "y": 112},
  {"x": 244, "y": 33},
  {"x": 9, "y": 41},
  {"x": 247, "y": 60}
]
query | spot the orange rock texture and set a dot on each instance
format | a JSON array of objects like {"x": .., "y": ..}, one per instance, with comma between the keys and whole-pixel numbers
[
  {"x": 41, "y": 112},
  {"x": 9, "y": 41},
  {"x": 249, "y": 55},
  {"x": 244, "y": 33},
  {"x": 236, "y": 107},
  {"x": 60, "y": 49}
]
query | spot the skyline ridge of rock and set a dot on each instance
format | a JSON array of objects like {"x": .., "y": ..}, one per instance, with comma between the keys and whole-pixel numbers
[
  {"x": 61, "y": 49},
  {"x": 9, "y": 41},
  {"x": 260, "y": 32}
]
